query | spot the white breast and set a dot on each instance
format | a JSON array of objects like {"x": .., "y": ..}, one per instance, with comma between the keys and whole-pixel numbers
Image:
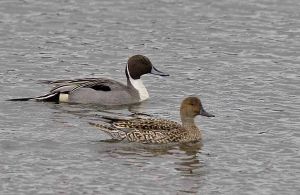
[{"x": 139, "y": 86}]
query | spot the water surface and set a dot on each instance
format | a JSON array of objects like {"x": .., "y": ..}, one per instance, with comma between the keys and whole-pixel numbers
[{"x": 240, "y": 57}]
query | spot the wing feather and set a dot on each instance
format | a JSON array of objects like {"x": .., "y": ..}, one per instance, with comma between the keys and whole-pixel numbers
[
  {"x": 148, "y": 124},
  {"x": 102, "y": 84}
]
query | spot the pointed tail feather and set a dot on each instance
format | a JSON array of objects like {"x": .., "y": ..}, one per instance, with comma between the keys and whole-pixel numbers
[
  {"x": 114, "y": 133},
  {"x": 51, "y": 97},
  {"x": 20, "y": 99},
  {"x": 45, "y": 82},
  {"x": 113, "y": 119}
]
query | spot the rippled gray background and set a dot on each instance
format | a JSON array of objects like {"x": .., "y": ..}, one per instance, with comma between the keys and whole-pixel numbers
[{"x": 241, "y": 57}]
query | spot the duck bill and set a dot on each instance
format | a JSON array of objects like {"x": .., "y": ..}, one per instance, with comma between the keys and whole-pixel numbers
[
  {"x": 204, "y": 113},
  {"x": 157, "y": 72}
]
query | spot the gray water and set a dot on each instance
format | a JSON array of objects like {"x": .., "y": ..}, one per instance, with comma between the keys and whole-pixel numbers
[{"x": 241, "y": 57}]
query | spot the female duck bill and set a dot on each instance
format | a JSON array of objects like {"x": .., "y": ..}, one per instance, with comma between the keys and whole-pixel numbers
[{"x": 204, "y": 113}]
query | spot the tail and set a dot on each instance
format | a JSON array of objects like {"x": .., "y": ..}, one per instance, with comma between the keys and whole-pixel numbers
[
  {"x": 20, "y": 99},
  {"x": 114, "y": 133},
  {"x": 50, "y": 97},
  {"x": 112, "y": 119}
]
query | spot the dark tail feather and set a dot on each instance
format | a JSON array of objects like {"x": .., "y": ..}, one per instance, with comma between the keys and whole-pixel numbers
[
  {"x": 112, "y": 119},
  {"x": 45, "y": 82},
  {"x": 20, "y": 99},
  {"x": 52, "y": 97}
]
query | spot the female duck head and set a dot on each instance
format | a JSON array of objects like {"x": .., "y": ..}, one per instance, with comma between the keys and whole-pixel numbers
[
  {"x": 139, "y": 65},
  {"x": 191, "y": 107}
]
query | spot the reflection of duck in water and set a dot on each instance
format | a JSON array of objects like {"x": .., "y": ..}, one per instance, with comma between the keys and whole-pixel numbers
[{"x": 159, "y": 131}]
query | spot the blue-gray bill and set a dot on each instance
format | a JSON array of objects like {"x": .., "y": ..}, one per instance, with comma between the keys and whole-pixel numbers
[
  {"x": 204, "y": 113},
  {"x": 158, "y": 72}
]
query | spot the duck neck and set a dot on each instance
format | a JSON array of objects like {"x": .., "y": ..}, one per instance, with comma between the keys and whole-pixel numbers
[
  {"x": 194, "y": 132},
  {"x": 188, "y": 121},
  {"x": 137, "y": 85}
]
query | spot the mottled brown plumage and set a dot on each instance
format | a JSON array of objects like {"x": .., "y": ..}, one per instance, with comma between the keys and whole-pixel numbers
[{"x": 159, "y": 131}]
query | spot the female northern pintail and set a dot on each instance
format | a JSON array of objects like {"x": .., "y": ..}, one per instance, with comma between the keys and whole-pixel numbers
[
  {"x": 159, "y": 131},
  {"x": 104, "y": 91}
]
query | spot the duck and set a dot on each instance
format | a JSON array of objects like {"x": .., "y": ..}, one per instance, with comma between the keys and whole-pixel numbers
[
  {"x": 155, "y": 130},
  {"x": 103, "y": 91}
]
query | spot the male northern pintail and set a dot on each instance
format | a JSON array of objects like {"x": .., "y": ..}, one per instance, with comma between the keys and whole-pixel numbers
[
  {"x": 159, "y": 131},
  {"x": 104, "y": 91}
]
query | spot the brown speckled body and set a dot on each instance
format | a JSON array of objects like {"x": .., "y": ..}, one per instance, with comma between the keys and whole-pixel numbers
[
  {"x": 151, "y": 131},
  {"x": 159, "y": 131}
]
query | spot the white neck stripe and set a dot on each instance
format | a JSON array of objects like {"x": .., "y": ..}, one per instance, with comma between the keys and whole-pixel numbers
[{"x": 139, "y": 86}]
